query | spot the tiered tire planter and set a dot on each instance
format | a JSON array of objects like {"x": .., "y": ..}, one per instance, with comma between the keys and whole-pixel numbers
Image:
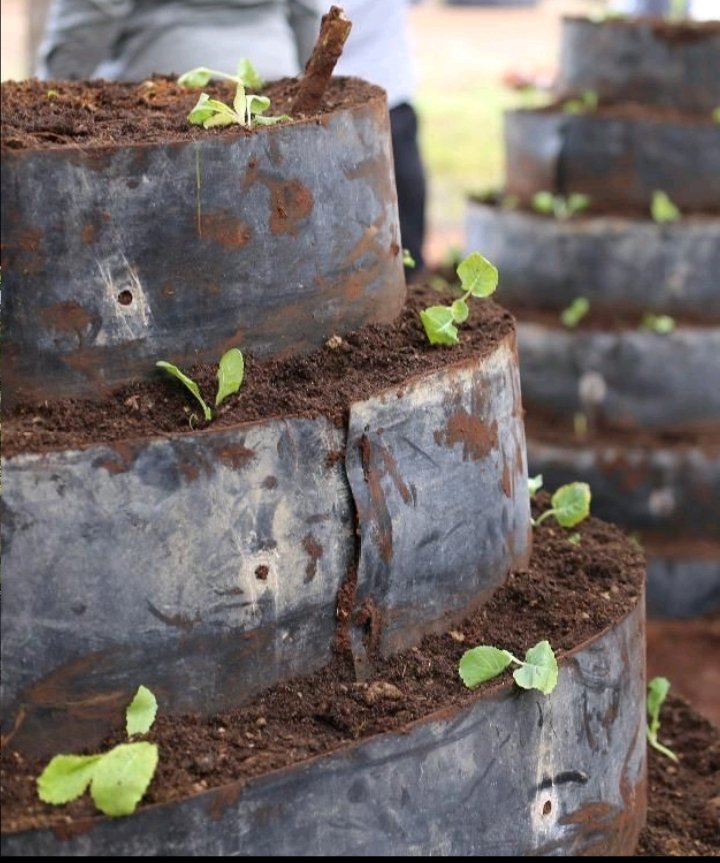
[
  {"x": 208, "y": 564},
  {"x": 652, "y": 454}
]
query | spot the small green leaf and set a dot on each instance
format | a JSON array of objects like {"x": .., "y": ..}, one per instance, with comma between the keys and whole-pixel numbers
[
  {"x": 460, "y": 311},
  {"x": 716, "y": 115},
  {"x": 66, "y": 777},
  {"x": 195, "y": 78},
  {"x": 230, "y": 375},
  {"x": 257, "y": 104},
  {"x": 575, "y": 312},
  {"x": 240, "y": 100},
  {"x": 438, "y": 324},
  {"x": 662, "y": 208},
  {"x": 658, "y": 689},
  {"x": 477, "y": 275},
  {"x": 188, "y": 382},
  {"x": 577, "y": 202},
  {"x": 248, "y": 75},
  {"x": 535, "y": 483},
  {"x": 482, "y": 663},
  {"x": 201, "y": 111},
  {"x": 141, "y": 712},
  {"x": 543, "y": 202},
  {"x": 407, "y": 259},
  {"x": 571, "y": 503},
  {"x": 540, "y": 670},
  {"x": 270, "y": 121},
  {"x": 122, "y": 776},
  {"x": 575, "y": 539},
  {"x": 661, "y": 324}
]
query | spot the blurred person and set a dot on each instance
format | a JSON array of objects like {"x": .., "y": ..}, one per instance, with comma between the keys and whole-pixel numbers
[
  {"x": 130, "y": 40},
  {"x": 378, "y": 49}
]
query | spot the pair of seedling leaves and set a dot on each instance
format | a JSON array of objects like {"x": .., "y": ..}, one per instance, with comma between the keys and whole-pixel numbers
[
  {"x": 230, "y": 375},
  {"x": 569, "y": 505},
  {"x": 118, "y": 778},
  {"x": 247, "y": 108}
]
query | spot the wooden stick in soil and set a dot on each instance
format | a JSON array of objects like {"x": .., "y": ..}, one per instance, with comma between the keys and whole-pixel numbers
[{"x": 334, "y": 30}]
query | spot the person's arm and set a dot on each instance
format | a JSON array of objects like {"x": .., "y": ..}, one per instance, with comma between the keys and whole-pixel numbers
[
  {"x": 304, "y": 17},
  {"x": 79, "y": 35}
]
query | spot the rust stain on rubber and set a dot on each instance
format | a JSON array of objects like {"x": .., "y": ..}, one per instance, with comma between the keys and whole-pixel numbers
[
  {"x": 235, "y": 456},
  {"x": 122, "y": 459},
  {"x": 477, "y": 438},
  {"x": 314, "y": 551},
  {"x": 224, "y": 228},
  {"x": 378, "y": 513},
  {"x": 68, "y": 317}
]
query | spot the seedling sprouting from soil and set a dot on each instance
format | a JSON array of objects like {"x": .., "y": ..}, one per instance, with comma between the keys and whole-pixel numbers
[
  {"x": 538, "y": 671},
  {"x": 559, "y": 206},
  {"x": 569, "y": 505},
  {"x": 118, "y": 778},
  {"x": 586, "y": 102},
  {"x": 661, "y": 324},
  {"x": 662, "y": 208},
  {"x": 201, "y": 76},
  {"x": 575, "y": 312},
  {"x": 408, "y": 260},
  {"x": 535, "y": 483},
  {"x": 478, "y": 278},
  {"x": 247, "y": 109},
  {"x": 230, "y": 375},
  {"x": 658, "y": 689}
]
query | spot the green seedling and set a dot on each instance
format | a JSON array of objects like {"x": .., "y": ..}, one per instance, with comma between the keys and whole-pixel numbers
[
  {"x": 478, "y": 278},
  {"x": 230, "y": 375},
  {"x": 535, "y": 483},
  {"x": 662, "y": 208},
  {"x": 408, "y": 260},
  {"x": 118, "y": 778},
  {"x": 580, "y": 425},
  {"x": 559, "y": 206},
  {"x": 569, "y": 505},
  {"x": 716, "y": 115},
  {"x": 574, "y": 539},
  {"x": 584, "y": 104},
  {"x": 201, "y": 76},
  {"x": 575, "y": 312},
  {"x": 658, "y": 689},
  {"x": 52, "y": 94},
  {"x": 661, "y": 324},
  {"x": 246, "y": 111},
  {"x": 679, "y": 10},
  {"x": 538, "y": 671}
]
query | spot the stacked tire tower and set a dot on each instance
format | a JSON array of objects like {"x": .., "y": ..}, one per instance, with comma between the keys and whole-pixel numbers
[
  {"x": 209, "y": 564},
  {"x": 634, "y": 412}
]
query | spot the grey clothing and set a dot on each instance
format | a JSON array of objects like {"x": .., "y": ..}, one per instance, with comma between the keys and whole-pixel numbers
[{"x": 130, "y": 40}]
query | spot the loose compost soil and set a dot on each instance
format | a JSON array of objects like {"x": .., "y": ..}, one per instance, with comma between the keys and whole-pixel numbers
[
  {"x": 322, "y": 383},
  {"x": 51, "y": 114},
  {"x": 569, "y": 593}
]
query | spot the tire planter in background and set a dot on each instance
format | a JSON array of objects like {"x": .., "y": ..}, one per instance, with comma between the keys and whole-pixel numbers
[
  {"x": 617, "y": 263},
  {"x": 641, "y": 60},
  {"x": 514, "y": 774},
  {"x": 652, "y": 381},
  {"x": 252, "y": 237},
  {"x": 209, "y": 564},
  {"x": 683, "y": 584},
  {"x": 617, "y": 157}
]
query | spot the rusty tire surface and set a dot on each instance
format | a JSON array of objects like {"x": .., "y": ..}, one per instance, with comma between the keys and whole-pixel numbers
[
  {"x": 639, "y": 60},
  {"x": 514, "y": 774},
  {"x": 275, "y": 241},
  {"x": 618, "y": 160},
  {"x": 632, "y": 265},
  {"x": 208, "y": 564},
  {"x": 651, "y": 381}
]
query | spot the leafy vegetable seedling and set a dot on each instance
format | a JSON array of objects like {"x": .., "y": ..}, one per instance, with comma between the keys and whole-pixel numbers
[
  {"x": 478, "y": 278},
  {"x": 570, "y": 505},
  {"x": 658, "y": 689},
  {"x": 587, "y": 101},
  {"x": 535, "y": 483},
  {"x": 231, "y": 372},
  {"x": 662, "y": 208},
  {"x": 408, "y": 260},
  {"x": 118, "y": 778},
  {"x": 201, "y": 76},
  {"x": 661, "y": 324},
  {"x": 559, "y": 206},
  {"x": 538, "y": 671},
  {"x": 575, "y": 312}
]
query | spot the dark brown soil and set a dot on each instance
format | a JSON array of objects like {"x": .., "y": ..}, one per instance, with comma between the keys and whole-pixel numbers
[
  {"x": 50, "y": 114},
  {"x": 569, "y": 593},
  {"x": 323, "y": 382},
  {"x": 630, "y": 111}
]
